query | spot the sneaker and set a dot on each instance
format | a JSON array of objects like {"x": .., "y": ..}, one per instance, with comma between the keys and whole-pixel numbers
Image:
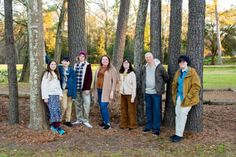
[
  {"x": 102, "y": 124},
  {"x": 173, "y": 136},
  {"x": 156, "y": 133},
  {"x": 146, "y": 130},
  {"x": 60, "y": 131},
  {"x": 53, "y": 129},
  {"x": 107, "y": 126},
  {"x": 69, "y": 124},
  {"x": 176, "y": 139},
  {"x": 77, "y": 122},
  {"x": 87, "y": 125}
]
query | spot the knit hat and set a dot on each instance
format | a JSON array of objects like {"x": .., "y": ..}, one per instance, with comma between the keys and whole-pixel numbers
[{"x": 82, "y": 53}]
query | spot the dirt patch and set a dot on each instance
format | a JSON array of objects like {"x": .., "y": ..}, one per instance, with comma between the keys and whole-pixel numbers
[
  {"x": 220, "y": 96},
  {"x": 219, "y": 128}
]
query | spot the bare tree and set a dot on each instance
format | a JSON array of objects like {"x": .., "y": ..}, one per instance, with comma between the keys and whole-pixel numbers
[
  {"x": 138, "y": 56},
  {"x": 195, "y": 49},
  {"x": 174, "y": 52},
  {"x": 155, "y": 26},
  {"x": 36, "y": 51},
  {"x": 76, "y": 28},
  {"x": 60, "y": 28},
  {"x": 119, "y": 46},
  {"x": 13, "y": 113}
]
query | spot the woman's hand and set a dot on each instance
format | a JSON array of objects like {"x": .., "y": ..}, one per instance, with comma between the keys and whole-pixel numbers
[
  {"x": 132, "y": 100},
  {"x": 45, "y": 100},
  {"x": 86, "y": 92},
  {"x": 111, "y": 95}
]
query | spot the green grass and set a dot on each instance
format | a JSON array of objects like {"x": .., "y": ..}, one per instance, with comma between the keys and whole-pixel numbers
[
  {"x": 169, "y": 150},
  {"x": 214, "y": 77},
  {"x": 219, "y": 77}
]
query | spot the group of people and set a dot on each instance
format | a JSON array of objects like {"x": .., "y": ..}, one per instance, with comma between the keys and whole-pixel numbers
[{"x": 63, "y": 85}]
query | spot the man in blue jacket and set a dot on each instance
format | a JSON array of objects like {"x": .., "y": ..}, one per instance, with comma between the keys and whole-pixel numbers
[{"x": 68, "y": 85}]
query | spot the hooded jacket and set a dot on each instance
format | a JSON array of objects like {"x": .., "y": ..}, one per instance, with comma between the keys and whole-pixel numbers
[{"x": 161, "y": 77}]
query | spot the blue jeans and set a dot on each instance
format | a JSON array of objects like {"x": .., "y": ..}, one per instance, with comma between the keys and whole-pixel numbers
[
  {"x": 153, "y": 111},
  {"x": 103, "y": 108}
]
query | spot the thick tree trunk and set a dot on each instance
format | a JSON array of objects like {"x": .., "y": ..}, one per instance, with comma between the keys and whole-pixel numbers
[
  {"x": 195, "y": 49},
  {"x": 76, "y": 28},
  {"x": 13, "y": 114},
  {"x": 174, "y": 52},
  {"x": 36, "y": 51},
  {"x": 60, "y": 28},
  {"x": 26, "y": 69},
  {"x": 138, "y": 56},
  {"x": 25, "y": 74},
  {"x": 155, "y": 26},
  {"x": 119, "y": 46}
]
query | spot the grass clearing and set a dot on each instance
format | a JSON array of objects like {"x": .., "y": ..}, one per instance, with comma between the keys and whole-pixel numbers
[
  {"x": 214, "y": 77},
  {"x": 219, "y": 77},
  {"x": 168, "y": 150}
]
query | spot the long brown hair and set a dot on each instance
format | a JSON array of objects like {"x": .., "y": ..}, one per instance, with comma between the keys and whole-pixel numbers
[
  {"x": 49, "y": 71},
  {"x": 109, "y": 64}
]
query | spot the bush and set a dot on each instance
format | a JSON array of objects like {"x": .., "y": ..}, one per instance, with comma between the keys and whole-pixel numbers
[{"x": 3, "y": 75}]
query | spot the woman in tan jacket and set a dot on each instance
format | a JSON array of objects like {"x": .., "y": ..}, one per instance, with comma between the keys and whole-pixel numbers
[
  {"x": 128, "y": 85},
  {"x": 105, "y": 84}
]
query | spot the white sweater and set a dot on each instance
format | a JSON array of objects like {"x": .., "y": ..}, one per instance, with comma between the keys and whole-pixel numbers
[
  {"x": 50, "y": 86},
  {"x": 128, "y": 84}
]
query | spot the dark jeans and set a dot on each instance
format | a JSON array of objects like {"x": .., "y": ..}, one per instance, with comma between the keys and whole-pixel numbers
[
  {"x": 103, "y": 108},
  {"x": 153, "y": 111}
]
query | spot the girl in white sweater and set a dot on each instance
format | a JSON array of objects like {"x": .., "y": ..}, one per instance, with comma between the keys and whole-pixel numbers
[
  {"x": 51, "y": 95},
  {"x": 128, "y": 85}
]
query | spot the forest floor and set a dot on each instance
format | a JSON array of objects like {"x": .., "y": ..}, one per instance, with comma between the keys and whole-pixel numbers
[{"x": 217, "y": 139}]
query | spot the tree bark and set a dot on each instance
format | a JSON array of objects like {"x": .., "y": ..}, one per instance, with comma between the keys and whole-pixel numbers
[
  {"x": 138, "y": 56},
  {"x": 174, "y": 52},
  {"x": 119, "y": 46},
  {"x": 76, "y": 28},
  {"x": 155, "y": 26},
  {"x": 195, "y": 50},
  {"x": 13, "y": 114},
  {"x": 36, "y": 51},
  {"x": 26, "y": 69},
  {"x": 60, "y": 28},
  {"x": 25, "y": 74}
]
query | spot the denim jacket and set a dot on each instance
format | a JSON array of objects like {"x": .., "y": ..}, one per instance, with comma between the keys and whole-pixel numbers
[{"x": 71, "y": 81}]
